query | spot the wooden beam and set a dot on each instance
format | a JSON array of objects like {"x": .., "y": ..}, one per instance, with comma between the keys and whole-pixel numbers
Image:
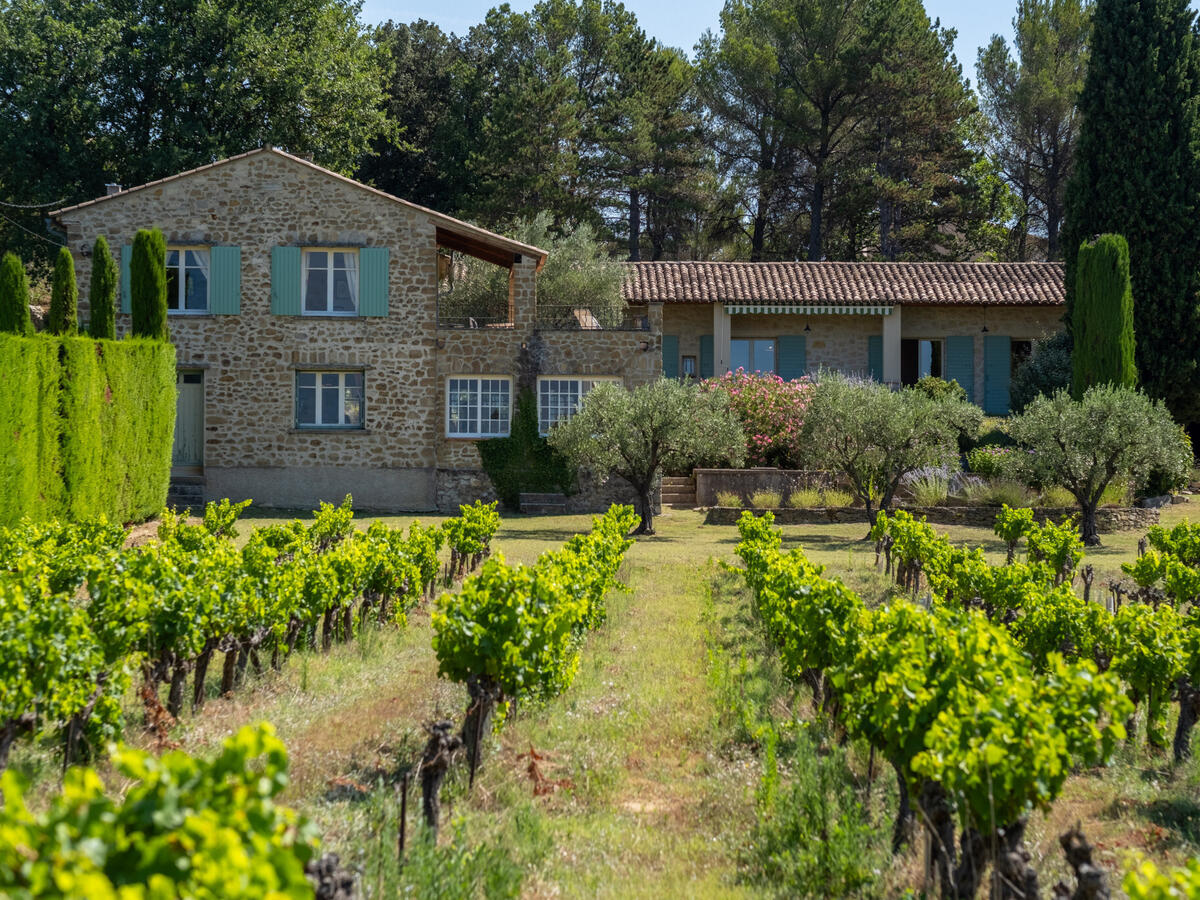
[{"x": 477, "y": 248}]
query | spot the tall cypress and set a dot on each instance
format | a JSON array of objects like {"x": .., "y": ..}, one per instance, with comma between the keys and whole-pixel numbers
[
  {"x": 102, "y": 296},
  {"x": 14, "y": 297},
  {"x": 148, "y": 284},
  {"x": 64, "y": 295},
  {"x": 1104, "y": 344},
  {"x": 1136, "y": 174}
]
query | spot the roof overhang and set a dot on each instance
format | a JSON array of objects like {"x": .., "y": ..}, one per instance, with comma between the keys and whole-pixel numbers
[{"x": 755, "y": 309}]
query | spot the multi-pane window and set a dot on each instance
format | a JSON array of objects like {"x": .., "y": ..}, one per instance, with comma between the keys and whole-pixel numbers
[
  {"x": 752, "y": 355},
  {"x": 187, "y": 279},
  {"x": 329, "y": 399},
  {"x": 478, "y": 407},
  {"x": 559, "y": 398},
  {"x": 689, "y": 367},
  {"x": 330, "y": 283}
]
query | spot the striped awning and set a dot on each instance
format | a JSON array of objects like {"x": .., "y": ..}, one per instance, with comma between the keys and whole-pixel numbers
[{"x": 756, "y": 309}]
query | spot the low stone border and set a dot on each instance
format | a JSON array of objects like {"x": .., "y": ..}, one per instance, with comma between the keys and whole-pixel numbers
[{"x": 1108, "y": 518}]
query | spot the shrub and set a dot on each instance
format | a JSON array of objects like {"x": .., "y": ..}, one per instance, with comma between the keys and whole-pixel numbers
[
  {"x": 1115, "y": 494},
  {"x": 1044, "y": 373},
  {"x": 837, "y": 499},
  {"x": 1006, "y": 492},
  {"x": 771, "y": 411},
  {"x": 940, "y": 389},
  {"x": 1103, "y": 316},
  {"x": 1056, "y": 496},
  {"x": 729, "y": 499},
  {"x": 988, "y": 462},
  {"x": 930, "y": 489},
  {"x": 102, "y": 296},
  {"x": 64, "y": 295},
  {"x": 148, "y": 284},
  {"x": 766, "y": 500},
  {"x": 806, "y": 498},
  {"x": 14, "y": 297}
]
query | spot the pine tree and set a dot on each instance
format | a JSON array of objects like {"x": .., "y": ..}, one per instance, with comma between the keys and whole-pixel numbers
[
  {"x": 102, "y": 297},
  {"x": 148, "y": 284},
  {"x": 14, "y": 297},
  {"x": 1136, "y": 174},
  {"x": 64, "y": 295},
  {"x": 1104, "y": 343}
]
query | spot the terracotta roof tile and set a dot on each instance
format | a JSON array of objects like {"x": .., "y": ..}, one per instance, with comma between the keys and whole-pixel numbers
[{"x": 868, "y": 283}]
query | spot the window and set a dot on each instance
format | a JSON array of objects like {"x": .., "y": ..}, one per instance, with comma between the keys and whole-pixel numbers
[
  {"x": 755, "y": 355},
  {"x": 329, "y": 399},
  {"x": 330, "y": 283},
  {"x": 478, "y": 407},
  {"x": 559, "y": 398},
  {"x": 920, "y": 358},
  {"x": 689, "y": 367},
  {"x": 1020, "y": 352},
  {"x": 187, "y": 280}
]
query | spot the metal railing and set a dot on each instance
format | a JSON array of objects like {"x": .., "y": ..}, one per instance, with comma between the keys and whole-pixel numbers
[{"x": 568, "y": 317}]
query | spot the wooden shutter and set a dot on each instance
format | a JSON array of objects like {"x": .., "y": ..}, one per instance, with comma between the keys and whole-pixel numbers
[
  {"x": 791, "y": 357},
  {"x": 997, "y": 364},
  {"x": 706, "y": 356},
  {"x": 875, "y": 356},
  {"x": 373, "y": 281},
  {"x": 126, "y": 293},
  {"x": 285, "y": 281},
  {"x": 225, "y": 283},
  {"x": 670, "y": 353},
  {"x": 960, "y": 363}
]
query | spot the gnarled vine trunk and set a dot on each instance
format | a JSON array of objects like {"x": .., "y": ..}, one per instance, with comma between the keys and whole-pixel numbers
[
  {"x": 435, "y": 762},
  {"x": 1189, "y": 712},
  {"x": 477, "y": 724}
]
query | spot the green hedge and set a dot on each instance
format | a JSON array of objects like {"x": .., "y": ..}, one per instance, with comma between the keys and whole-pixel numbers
[{"x": 87, "y": 427}]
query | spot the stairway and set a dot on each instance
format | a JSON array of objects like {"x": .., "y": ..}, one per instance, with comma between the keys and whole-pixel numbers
[
  {"x": 186, "y": 492},
  {"x": 679, "y": 491},
  {"x": 543, "y": 504}
]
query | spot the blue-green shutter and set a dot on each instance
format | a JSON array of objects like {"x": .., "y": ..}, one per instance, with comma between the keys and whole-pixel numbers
[
  {"x": 997, "y": 363},
  {"x": 791, "y": 357},
  {"x": 670, "y": 356},
  {"x": 875, "y": 356},
  {"x": 706, "y": 356},
  {"x": 126, "y": 257},
  {"x": 373, "y": 281},
  {"x": 960, "y": 363},
  {"x": 225, "y": 281},
  {"x": 285, "y": 281}
]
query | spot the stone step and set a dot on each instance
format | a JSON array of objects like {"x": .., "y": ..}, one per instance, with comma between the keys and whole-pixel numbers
[
  {"x": 543, "y": 504},
  {"x": 685, "y": 481}
]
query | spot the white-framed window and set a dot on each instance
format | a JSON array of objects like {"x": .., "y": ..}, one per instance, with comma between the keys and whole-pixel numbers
[
  {"x": 752, "y": 354},
  {"x": 560, "y": 398},
  {"x": 689, "y": 367},
  {"x": 478, "y": 406},
  {"x": 329, "y": 399},
  {"x": 330, "y": 283},
  {"x": 187, "y": 280}
]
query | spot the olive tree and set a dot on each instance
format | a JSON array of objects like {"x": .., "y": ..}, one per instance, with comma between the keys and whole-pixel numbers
[
  {"x": 634, "y": 434},
  {"x": 874, "y": 436},
  {"x": 1083, "y": 445}
]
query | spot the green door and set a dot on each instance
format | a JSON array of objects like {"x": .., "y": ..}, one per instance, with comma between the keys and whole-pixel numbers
[{"x": 188, "y": 451}]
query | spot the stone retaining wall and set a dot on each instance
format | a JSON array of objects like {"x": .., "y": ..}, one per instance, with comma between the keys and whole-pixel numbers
[{"x": 1108, "y": 519}]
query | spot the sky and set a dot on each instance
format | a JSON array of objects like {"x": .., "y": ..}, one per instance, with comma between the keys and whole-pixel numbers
[{"x": 681, "y": 24}]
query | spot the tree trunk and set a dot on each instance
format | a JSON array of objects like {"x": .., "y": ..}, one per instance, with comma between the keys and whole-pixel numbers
[
  {"x": 327, "y": 630},
  {"x": 1091, "y": 881},
  {"x": 814, "y": 228},
  {"x": 175, "y": 695},
  {"x": 200, "y": 674},
  {"x": 484, "y": 695},
  {"x": 1088, "y": 528},
  {"x": 435, "y": 762},
  {"x": 228, "y": 670},
  {"x": 646, "y": 511},
  {"x": 1015, "y": 878},
  {"x": 635, "y": 225},
  {"x": 1189, "y": 712},
  {"x": 243, "y": 657}
]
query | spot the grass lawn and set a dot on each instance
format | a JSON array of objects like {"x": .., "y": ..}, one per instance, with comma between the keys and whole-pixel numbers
[{"x": 640, "y": 780}]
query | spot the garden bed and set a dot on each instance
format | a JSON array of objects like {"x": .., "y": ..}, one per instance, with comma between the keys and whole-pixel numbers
[{"x": 1108, "y": 518}]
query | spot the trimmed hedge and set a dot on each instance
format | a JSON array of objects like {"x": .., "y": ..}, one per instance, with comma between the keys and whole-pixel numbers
[{"x": 86, "y": 428}]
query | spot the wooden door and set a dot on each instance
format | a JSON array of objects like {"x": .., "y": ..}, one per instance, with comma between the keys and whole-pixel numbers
[{"x": 189, "y": 420}]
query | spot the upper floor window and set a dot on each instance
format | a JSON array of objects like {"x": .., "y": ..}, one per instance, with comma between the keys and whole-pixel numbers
[
  {"x": 478, "y": 407},
  {"x": 187, "y": 279},
  {"x": 330, "y": 283},
  {"x": 754, "y": 355}
]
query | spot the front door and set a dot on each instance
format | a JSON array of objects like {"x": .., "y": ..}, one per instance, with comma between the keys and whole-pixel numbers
[{"x": 189, "y": 420}]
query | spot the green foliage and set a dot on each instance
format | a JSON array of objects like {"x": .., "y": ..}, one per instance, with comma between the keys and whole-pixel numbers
[
  {"x": 766, "y": 500},
  {"x": 930, "y": 489},
  {"x": 148, "y": 285},
  {"x": 1149, "y": 657},
  {"x": 331, "y": 524},
  {"x": 1147, "y": 882},
  {"x": 64, "y": 295},
  {"x": 939, "y": 389},
  {"x": 813, "y": 498},
  {"x": 729, "y": 499},
  {"x": 458, "y": 871},
  {"x": 30, "y": 429},
  {"x": 524, "y": 461},
  {"x": 1103, "y": 323},
  {"x": 181, "y": 826},
  {"x": 1182, "y": 541},
  {"x": 1045, "y": 373},
  {"x": 988, "y": 462},
  {"x": 14, "y": 297},
  {"x": 102, "y": 295},
  {"x": 1013, "y": 524}
]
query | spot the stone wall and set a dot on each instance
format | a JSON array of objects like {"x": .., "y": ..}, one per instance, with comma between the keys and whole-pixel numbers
[
  {"x": 744, "y": 482},
  {"x": 1108, "y": 519}
]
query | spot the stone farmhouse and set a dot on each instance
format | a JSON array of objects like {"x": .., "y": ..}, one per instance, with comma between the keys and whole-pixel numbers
[{"x": 320, "y": 354}]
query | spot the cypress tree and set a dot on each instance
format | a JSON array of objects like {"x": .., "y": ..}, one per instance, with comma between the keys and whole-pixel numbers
[
  {"x": 148, "y": 284},
  {"x": 14, "y": 297},
  {"x": 64, "y": 295},
  {"x": 102, "y": 296},
  {"x": 1136, "y": 174},
  {"x": 1104, "y": 345}
]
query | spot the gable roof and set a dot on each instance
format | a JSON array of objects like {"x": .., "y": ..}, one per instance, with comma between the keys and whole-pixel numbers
[
  {"x": 847, "y": 284},
  {"x": 453, "y": 232}
]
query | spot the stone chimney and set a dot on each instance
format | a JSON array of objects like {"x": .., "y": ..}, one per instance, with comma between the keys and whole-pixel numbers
[{"x": 110, "y": 189}]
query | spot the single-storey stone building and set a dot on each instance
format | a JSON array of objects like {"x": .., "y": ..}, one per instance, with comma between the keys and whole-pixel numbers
[{"x": 318, "y": 355}]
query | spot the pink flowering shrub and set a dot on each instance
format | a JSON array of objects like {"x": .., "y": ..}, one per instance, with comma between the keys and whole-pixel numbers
[{"x": 771, "y": 411}]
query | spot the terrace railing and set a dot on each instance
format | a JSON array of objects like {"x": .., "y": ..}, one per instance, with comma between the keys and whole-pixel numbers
[{"x": 570, "y": 317}]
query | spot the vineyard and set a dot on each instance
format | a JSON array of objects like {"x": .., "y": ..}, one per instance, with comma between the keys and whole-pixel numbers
[{"x": 478, "y": 707}]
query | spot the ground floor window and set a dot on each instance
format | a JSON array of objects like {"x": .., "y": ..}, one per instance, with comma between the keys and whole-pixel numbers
[
  {"x": 329, "y": 399},
  {"x": 559, "y": 398},
  {"x": 921, "y": 358},
  {"x": 1020, "y": 351},
  {"x": 478, "y": 407},
  {"x": 752, "y": 354},
  {"x": 689, "y": 367}
]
